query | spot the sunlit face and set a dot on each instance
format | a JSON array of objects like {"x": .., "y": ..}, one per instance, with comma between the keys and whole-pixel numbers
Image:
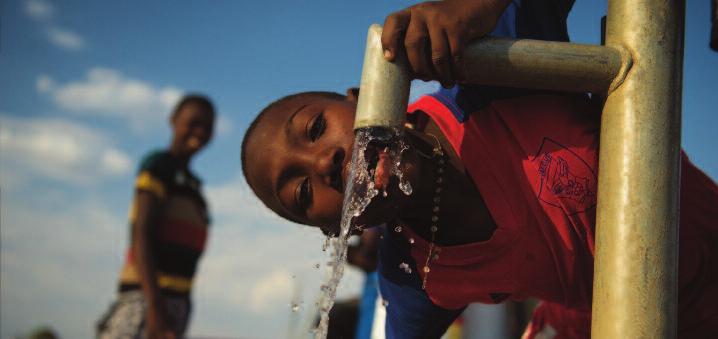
[
  {"x": 297, "y": 158},
  {"x": 193, "y": 127}
]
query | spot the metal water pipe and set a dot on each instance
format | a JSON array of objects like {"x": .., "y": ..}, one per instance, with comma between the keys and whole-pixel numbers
[
  {"x": 640, "y": 68},
  {"x": 634, "y": 293},
  {"x": 559, "y": 66}
]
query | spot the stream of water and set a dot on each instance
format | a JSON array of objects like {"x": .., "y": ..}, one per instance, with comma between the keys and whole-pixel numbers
[{"x": 359, "y": 192}]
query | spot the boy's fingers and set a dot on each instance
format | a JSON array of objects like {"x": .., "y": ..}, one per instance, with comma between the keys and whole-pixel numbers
[
  {"x": 394, "y": 27},
  {"x": 457, "y": 44},
  {"x": 417, "y": 51},
  {"x": 441, "y": 57}
]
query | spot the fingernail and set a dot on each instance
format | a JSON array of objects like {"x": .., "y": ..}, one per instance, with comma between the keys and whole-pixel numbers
[{"x": 387, "y": 54}]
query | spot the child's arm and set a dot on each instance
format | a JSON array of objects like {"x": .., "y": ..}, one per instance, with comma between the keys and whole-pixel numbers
[
  {"x": 435, "y": 34},
  {"x": 147, "y": 205}
]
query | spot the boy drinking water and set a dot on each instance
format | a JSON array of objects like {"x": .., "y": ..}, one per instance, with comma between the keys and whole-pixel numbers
[{"x": 504, "y": 194}]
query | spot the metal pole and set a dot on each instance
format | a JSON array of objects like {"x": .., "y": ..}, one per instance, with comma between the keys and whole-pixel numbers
[
  {"x": 551, "y": 65},
  {"x": 634, "y": 293},
  {"x": 384, "y": 87}
]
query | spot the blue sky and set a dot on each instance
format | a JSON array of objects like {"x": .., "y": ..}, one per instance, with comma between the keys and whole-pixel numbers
[{"x": 85, "y": 90}]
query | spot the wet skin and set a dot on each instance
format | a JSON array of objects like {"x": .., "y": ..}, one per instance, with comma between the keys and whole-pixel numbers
[{"x": 297, "y": 159}]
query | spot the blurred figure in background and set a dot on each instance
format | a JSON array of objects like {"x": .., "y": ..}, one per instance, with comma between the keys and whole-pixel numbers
[{"x": 169, "y": 221}]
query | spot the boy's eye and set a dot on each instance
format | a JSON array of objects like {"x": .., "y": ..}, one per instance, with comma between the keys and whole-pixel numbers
[
  {"x": 316, "y": 127},
  {"x": 303, "y": 195}
]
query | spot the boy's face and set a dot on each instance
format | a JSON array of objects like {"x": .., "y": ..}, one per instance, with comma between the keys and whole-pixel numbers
[
  {"x": 193, "y": 126},
  {"x": 298, "y": 156}
]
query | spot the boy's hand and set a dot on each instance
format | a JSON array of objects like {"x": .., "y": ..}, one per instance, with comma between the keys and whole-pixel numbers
[{"x": 435, "y": 34}]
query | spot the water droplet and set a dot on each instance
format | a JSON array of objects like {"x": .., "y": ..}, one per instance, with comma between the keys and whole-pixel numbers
[
  {"x": 317, "y": 265},
  {"x": 295, "y": 307},
  {"x": 397, "y": 229},
  {"x": 404, "y": 266},
  {"x": 385, "y": 302},
  {"x": 385, "y": 193},
  {"x": 411, "y": 240},
  {"x": 325, "y": 245},
  {"x": 405, "y": 186}
]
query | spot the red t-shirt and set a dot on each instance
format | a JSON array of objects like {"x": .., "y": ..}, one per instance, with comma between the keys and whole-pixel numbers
[{"x": 534, "y": 160}]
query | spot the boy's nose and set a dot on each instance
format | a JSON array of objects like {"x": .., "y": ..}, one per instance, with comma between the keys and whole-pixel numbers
[{"x": 329, "y": 165}]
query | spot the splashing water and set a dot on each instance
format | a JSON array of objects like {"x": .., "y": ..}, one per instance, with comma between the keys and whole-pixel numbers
[{"x": 358, "y": 194}]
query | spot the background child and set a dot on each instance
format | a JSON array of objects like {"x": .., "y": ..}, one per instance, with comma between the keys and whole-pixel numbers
[{"x": 169, "y": 222}]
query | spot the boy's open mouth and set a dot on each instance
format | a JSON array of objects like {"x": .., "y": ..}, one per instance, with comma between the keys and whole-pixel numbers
[
  {"x": 372, "y": 156},
  {"x": 378, "y": 166}
]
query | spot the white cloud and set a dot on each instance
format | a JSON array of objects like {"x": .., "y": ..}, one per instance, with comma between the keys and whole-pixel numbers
[
  {"x": 115, "y": 161},
  {"x": 58, "y": 149},
  {"x": 58, "y": 246},
  {"x": 273, "y": 288},
  {"x": 39, "y": 9},
  {"x": 65, "y": 39},
  {"x": 44, "y": 84},
  {"x": 256, "y": 265},
  {"x": 54, "y": 249},
  {"x": 109, "y": 93},
  {"x": 235, "y": 201},
  {"x": 223, "y": 126}
]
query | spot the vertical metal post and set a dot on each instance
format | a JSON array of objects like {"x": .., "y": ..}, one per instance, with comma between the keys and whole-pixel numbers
[{"x": 634, "y": 292}]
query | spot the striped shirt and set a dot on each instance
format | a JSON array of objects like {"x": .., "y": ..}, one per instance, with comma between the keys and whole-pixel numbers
[{"x": 180, "y": 233}]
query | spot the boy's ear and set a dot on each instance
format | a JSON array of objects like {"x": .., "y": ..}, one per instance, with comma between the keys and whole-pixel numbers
[{"x": 353, "y": 94}]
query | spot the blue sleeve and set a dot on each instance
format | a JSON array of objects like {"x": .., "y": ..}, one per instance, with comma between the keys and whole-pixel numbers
[
  {"x": 469, "y": 98},
  {"x": 409, "y": 311},
  {"x": 506, "y": 25}
]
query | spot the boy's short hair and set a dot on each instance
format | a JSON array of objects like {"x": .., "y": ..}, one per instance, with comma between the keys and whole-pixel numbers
[
  {"x": 271, "y": 106},
  {"x": 193, "y": 99}
]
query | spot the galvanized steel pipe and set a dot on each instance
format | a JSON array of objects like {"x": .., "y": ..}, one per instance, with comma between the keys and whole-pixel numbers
[
  {"x": 384, "y": 87},
  {"x": 551, "y": 65},
  {"x": 536, "y": 64},
  {"x": 634, "y": 293}
]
